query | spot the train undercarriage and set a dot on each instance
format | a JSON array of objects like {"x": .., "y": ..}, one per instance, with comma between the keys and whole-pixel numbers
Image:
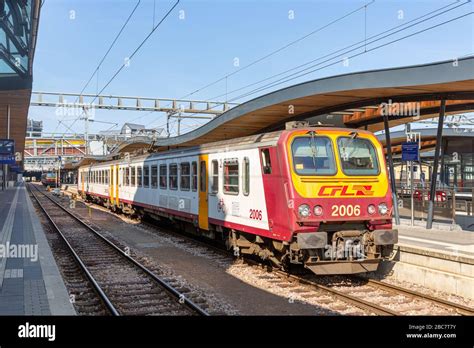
[{"x": 337, "y": 250}]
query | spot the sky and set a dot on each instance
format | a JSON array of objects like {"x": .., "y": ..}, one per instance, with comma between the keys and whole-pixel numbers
[{"x": 202, "y": 41}]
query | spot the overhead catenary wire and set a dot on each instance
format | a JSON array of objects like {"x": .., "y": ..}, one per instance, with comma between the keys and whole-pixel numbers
[
  {"x": 137, "y": 49},
  {"x": 350, "y": 57},
  {"x": 377, "y": 37},
  {"x": 268, "y": 55},
  {"x": 95, "y": 72}
]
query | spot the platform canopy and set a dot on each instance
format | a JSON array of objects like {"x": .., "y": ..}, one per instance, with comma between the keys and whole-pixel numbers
[
  {"x": 18, "y": 34},
  {"x": 355, "y": 100}
]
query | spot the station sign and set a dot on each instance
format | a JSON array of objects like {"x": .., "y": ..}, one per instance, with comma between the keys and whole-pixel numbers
[
  {"x": 7, "y": 159},
  {"x": 410, "y": 151},
  {"x": 7, "y": 147},
  {"x": 7, "y": 151}
]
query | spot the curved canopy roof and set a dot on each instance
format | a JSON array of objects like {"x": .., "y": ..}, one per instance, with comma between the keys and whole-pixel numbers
[{"x": 346, "y": 94}]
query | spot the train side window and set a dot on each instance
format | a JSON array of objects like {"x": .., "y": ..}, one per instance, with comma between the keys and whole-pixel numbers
[
  {"x": 231, "y": 176},
  {"x": 154, "y": 176},
  {"x": 202, "y": 179},
  {"x": 194, "y": 177},
  {"x": 266, "y": 161},
  {"x": 173, "y": 176},
  {"x": 133, "y": 176},
  {"x": 163, "y": 177},
  {"x": 246, "y": 177},
  {"x": 127, "y": 176},
  {"x": 139, "y": 176},
  {"x": 146, "y": 176},
  {"x": 185, "y": 176},
  {"x": 214, "y": 176}
]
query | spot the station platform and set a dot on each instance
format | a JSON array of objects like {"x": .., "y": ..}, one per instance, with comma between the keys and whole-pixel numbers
[
  {"x": 440, "y": 259},
  {"x": 30, "y": 281}
]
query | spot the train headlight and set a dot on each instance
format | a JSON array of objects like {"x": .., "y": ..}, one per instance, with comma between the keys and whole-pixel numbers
[
  {"x": 318, "y": 210},
  {"x": 304, "y": 210},
  {"x": 383, "y": 209},
  {"x": 371, "y": 209}
]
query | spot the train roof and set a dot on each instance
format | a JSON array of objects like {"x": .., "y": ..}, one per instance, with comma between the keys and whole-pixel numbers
[{"x": 263, "y": 139}]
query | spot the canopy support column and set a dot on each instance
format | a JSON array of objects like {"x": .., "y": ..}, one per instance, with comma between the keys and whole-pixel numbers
[{"x": 434, "y": 174}]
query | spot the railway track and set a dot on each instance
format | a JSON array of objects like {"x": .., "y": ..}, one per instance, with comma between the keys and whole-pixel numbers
[
  {"x": 125, "y": 286},
  {"x": 367, "y": 294},
  {"x": 356, "y": 290}
]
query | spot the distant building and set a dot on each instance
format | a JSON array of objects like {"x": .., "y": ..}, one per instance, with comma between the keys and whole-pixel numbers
[
  {"x": 132, "y": 128},
  {"x": 34, "y": 129}
]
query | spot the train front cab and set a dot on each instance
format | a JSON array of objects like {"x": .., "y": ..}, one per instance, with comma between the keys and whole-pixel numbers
[{"x": 340, "y": 200}]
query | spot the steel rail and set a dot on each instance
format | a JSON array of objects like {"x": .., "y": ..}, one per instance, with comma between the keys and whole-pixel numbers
[{"x": 175, "y": 293}]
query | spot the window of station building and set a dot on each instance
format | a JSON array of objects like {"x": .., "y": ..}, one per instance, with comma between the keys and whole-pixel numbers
[
  {"x": 266, "y": 161},
  {"x": 154, "y": 176},
  {"x": 214, "y": 176},
  {"x": 173, "y": 176},
  {"x": 194, "y": 176},
  {"x": 146, "y": 176},
  {"x": 246, "y": 177},
  {"x": 163, "y": 176},
  {"x": 133, "y": 176},
  {"x": 202, "y": 176},
  {"x": 231, "y": 176},
  {"x": 139, "y": 176},
  {"x": 185, "y": 176}
]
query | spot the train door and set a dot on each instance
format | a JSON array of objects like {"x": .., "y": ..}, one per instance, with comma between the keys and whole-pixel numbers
[
  {"x": 111, "y": 184},
  {"x": 203, "y": 210}
]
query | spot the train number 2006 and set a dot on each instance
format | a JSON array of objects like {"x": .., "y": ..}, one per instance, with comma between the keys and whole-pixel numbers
[
  {"x": 255, "y": 214},
  {"x": 345, "y": 210}
]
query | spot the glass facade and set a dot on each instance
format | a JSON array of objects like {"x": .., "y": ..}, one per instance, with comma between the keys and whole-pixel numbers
[
  {"x": 15, "y": 37},
  {"x": 457, "y": 167}
]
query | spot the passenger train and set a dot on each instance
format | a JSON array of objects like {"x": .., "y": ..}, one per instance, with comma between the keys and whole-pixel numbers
[
  {"x": 49, "y": 179},
  {"x": 315, "y": 196}
]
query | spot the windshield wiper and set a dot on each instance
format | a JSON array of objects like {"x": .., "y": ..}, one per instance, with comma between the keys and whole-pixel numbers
[{"x": 314, "y": 149}]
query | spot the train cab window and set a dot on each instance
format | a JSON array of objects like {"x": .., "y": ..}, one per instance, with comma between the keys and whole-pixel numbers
[
  {"x": 173, "y": 176},
  {"x": 146, "y": 176},
  {"x": 313, "y": 155},
  {"x": 202, "y": 176},
  {"x": 163, "y": 176},
  {"x": 139, "y": 176},
  {"x": 231, "y": 176},
  {"x": 133, "y": 176},
  {"x": 266, "y": 161},
  {"x": 246, "y": 177},
  {"x": 358, "y": 156},
  {"x": 194, "y": 176},
  {"x": 185, "y": 176},
  {"x": 154, "y": 176},
  {"x": 214, "y": 176}
]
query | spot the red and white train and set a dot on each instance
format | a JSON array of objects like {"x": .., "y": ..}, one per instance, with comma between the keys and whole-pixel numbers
[{"x": 313, "y": 196}]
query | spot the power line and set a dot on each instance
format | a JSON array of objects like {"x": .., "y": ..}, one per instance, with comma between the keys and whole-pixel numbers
[
  {"x": 345, "y": 50},
  {"x": 106, "y": 53},
  {"x": 292, "y": 76},
  {"x": 276, "y": 51},
  {"x": 133, "y": 54}
]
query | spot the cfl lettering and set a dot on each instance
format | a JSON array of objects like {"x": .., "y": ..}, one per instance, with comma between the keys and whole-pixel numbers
[{"x": 345, "y": 191}]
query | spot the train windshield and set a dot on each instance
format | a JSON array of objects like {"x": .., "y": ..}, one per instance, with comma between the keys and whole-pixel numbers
[
  {"x": 358, "y": 156},
  {"x": 313, "y": 155}
]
